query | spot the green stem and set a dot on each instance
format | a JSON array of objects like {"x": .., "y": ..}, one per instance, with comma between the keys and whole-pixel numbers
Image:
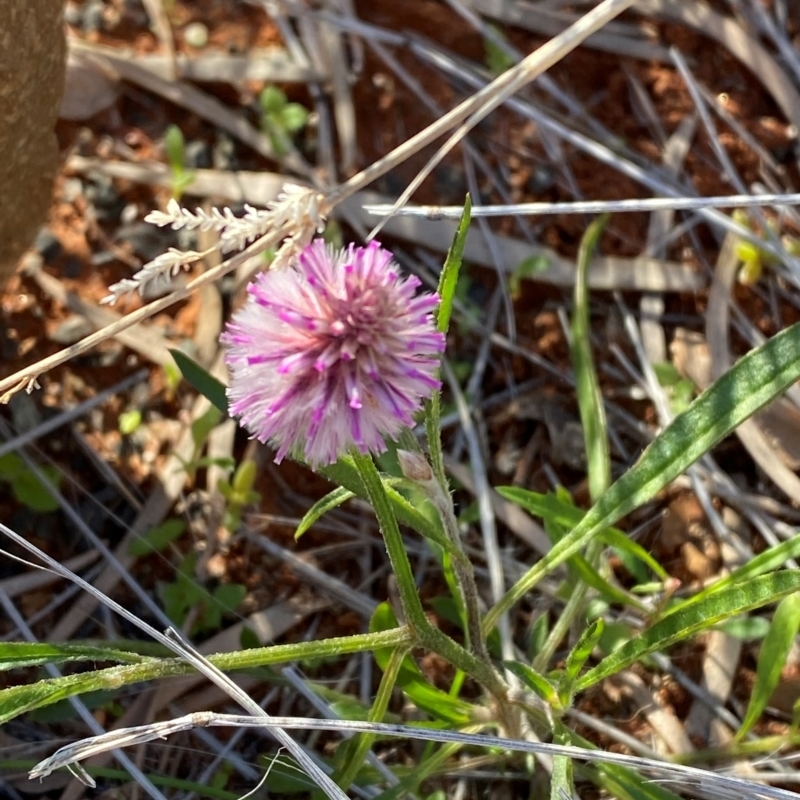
[
  {"x": 16, "y": 700},
  {"x": 358, "y": 746},
  {"x": 571, "y": 611},
  {"x": 426, "y": 635}
]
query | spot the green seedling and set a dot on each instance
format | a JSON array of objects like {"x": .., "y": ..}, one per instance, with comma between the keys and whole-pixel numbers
[
  {"x": 497, "y": 58},
  {"x": 25, "y": 486},
  {"x": 238, "y": 493},
  {"x": 755, "y": 258},
  {"x": 185, "y": 594},
  {"x": 175, "y": 148},
  {"x": 159, "y": 538},
  {"x": 527, "y": 268},
  {"x": 680, "y": 390},
  {"x": 280, "y": 119},
  {"x": 129, "y": 421}
]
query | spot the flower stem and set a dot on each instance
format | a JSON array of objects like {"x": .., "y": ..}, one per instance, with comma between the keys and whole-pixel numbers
[{"x": 426, "y": 635}]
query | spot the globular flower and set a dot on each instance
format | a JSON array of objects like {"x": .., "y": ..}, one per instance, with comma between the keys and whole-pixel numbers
[{"x": 337, "y": 350}]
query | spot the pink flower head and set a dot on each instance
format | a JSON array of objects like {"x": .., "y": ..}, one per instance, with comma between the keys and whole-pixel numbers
[{"x": 337, "y": 351}]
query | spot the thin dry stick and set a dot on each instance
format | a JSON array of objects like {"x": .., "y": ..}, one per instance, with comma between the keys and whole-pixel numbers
[{"x": 484, "y": 100}]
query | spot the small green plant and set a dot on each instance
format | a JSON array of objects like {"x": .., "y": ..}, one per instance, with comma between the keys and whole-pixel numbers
[
  {"x": 25, "y": 486},
  {"x": 129, "y": 421},
  {"x": 185, "y": 594},
  {"x": 498, "y": 59},
  {"x": 680, "y": 390},
  {"x": 280, "y": 119},
  {"x": 238, "y": 493},
  {"x": 755, "y": 258},
  {"x": 175, "y": 148}
]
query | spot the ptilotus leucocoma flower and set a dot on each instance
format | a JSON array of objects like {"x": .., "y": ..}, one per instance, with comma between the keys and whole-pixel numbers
[{"x": 335, "y": 351}]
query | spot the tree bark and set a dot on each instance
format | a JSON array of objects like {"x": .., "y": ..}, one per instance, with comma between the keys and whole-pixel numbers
[{"x": 32, "y": 65}]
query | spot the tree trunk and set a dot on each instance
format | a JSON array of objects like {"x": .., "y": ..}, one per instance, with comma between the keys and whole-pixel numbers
[{"x": 32, "y": 64}]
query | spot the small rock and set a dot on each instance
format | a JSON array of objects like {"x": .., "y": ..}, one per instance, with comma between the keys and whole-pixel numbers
[
  {"x": 146, "y": 240},
  {"x": 92, "y": 17},
  {"x": 102, "y": 194},
  {"x": 129, "y": 214},
  {"x": 48, "y": 245},
  {"x": 71, "y": 330},
  {"x": 197, "y": 155},
  {"x": 71, "y": 268},
  {"x": 223, "y": 155},
  {"x": 541, "y": 179},
  {"x": 73, "y": 15},
  {"x": 195, "y": 34},
  {"x": 71, "y": 190}
]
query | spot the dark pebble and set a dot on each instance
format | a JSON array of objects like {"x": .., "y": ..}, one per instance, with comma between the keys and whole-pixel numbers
[
  {"x": 146, "y": 240},
  {"x": 197, "y": 155},
  {"x": 102, "y": 194},
  {"x": 92, "y": 17},
  {"x": 48, "y": 245},
  {"x": 542, "y": 178},
  {"x": 71, "y": 268}
]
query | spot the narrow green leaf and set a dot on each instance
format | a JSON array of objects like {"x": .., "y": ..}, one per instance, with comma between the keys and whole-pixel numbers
[
  {"x": 625, "y": 784},
  {"x": 754, "y": 381},
  {"x": 693, "y": 618},
  {"x": 451, "y": 268},
  {"x": 590, "y": 401},
  {"x": 16, "y": 700},
  {"x": 15, "y": 655},
  {"x": 344, "y": 473},
  {"x": 175, "y": 149},
  {"x": 772, "y": 659},
  {"x": 769, "y": 560},
  {"x": 410, "y": 679},
  {"x": 548, "y": 506},
  {"x": 448, "y": 281},
  {"x": 331, "y": 500},
  {"x": 535, "y": 681},
  {"x": 202, "y": 380},
  {"x": 577, "y": 657}
]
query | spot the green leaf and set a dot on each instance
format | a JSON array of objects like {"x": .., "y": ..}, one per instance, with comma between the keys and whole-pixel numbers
[
  {"x": 410, "y": 679},
  {"x": 764, "y": 562},
  {"x": 748, "y": 629},
  {"x": 344, "y": 473},
  {"x": 202, "y": 427},
  {"x": 294, "y": 117},
  {"x": 527, "y": 268},
  {"x": 451, "y": 268},
  {"x": 129, "y": 421},
  {"x": 156, "y": 539},
  {"x": 497, "y": 59},
  {"x": 230, "y": 596},
  {"x": 175, "y": 149},
  {"x": 550, "y": 507},
  {"x": 577, "y": 658},
  {"x": 535, "y": 681},
  {"x": 16, "y": 655},
  {"x": 625, "y": 784},
  {"x": 331, "y": 500},
  {"x": 772, "y": 659},
  {"x": 202, "y": 380},
  {"x": 32, "y": 493},
  {"x": 754, "y": 381},
  {"x": 590, "y": 400},
  {"x": 694, "y": 617},
  {"x": 272, "y": 100}
]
